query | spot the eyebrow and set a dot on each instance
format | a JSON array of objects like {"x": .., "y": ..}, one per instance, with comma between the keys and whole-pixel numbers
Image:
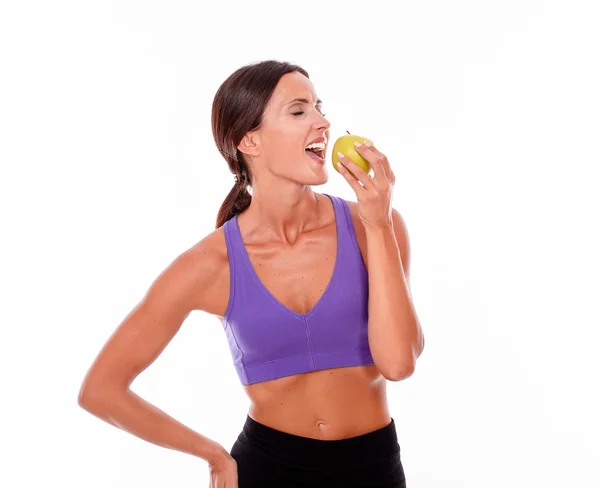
[{"x": 303, "y": 100}]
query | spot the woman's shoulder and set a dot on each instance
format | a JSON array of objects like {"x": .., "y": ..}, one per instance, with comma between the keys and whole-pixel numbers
[
  {"x": 210, "y": 247},
  {"x": 353, "y": 210},
  {"x": 352, "y": 205},
  {"x": 357, "y": 227},
  {"x": 207, "y": 261}
]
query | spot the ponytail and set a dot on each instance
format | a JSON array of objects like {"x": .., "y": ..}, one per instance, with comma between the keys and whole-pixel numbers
[{"x": 237, "y": 200}]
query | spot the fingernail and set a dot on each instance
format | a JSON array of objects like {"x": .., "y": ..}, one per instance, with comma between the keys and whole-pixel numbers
[
  {"x": 366, "y": 143},
  {"x": 340, "y": 154},
  {"x": 357, "y": 144}
]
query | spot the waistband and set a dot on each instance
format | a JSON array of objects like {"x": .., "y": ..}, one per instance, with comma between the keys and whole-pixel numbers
[{"x": 360, "y": 449}]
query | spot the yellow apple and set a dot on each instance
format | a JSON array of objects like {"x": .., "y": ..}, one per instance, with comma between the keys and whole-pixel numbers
[{"x": 345, "y": 145}]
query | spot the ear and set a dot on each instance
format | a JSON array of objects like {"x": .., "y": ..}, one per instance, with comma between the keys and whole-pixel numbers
[{"x": 250, "y": 144}]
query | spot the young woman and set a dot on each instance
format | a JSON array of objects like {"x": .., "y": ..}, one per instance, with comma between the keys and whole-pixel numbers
[{"x": 312, "y": 292}]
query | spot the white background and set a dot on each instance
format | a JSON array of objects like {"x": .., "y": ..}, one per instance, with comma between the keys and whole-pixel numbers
[{"x": 489, "y": 114}]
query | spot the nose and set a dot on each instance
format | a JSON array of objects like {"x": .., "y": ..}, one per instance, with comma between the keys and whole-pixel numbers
[{"x": 323, "y": 123}]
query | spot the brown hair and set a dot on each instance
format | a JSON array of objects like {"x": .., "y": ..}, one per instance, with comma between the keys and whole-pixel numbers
[{"x": 238, "y": 108}]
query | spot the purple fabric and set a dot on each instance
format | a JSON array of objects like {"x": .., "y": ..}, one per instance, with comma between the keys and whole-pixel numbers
[{"x": 268, "y": 340}]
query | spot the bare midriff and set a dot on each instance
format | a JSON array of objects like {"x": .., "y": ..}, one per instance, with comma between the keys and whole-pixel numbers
[{"x": 328, "y": 404}]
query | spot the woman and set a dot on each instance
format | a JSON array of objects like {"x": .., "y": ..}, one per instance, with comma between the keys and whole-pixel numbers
[{"x": 317, "y": 321}]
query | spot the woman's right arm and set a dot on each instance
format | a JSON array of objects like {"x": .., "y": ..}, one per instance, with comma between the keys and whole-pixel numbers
[{"x": 137, "y": 342}]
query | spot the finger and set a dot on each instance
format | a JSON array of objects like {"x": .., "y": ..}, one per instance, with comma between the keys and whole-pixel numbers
[
  {"x": 378, "y": 160},
  {"x": 356, "y": 170},
  {"x": 352, "y": 181},
  {"x": 372, "y": 155},
  {"x": 385, "y": 163}
]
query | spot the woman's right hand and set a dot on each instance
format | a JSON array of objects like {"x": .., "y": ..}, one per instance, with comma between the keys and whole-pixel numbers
[{"x": 223, "y": 472}]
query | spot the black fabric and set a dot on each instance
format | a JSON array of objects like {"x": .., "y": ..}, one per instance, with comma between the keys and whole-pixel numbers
[{"x": 267, "y": 458}]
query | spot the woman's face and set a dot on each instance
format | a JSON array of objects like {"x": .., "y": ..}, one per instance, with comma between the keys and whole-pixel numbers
[{"x": 289, "y": 126}]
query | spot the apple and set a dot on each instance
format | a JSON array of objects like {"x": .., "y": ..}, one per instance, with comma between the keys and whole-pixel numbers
[{"x": 345, "y": 145}]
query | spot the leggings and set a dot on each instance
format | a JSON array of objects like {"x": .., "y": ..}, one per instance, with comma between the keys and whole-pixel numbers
[{"x": 267, "y": 458}]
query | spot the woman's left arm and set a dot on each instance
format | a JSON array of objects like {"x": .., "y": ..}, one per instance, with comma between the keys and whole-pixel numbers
[{"x": 395, "y": 336}]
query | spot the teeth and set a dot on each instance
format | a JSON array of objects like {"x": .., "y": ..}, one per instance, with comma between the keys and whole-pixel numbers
[{"x": 316, "y": 145}]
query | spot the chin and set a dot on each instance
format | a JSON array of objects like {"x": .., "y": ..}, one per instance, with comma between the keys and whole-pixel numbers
[
  {"x": 321, "y": 181},
  {"x": 317, "y": 174},
  {"x": 310, "y": 175},
  {"x": 316, "y": 180}
]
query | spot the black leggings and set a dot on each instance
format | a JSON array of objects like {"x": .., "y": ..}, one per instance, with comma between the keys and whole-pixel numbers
[{"x": 267, "y": 458}]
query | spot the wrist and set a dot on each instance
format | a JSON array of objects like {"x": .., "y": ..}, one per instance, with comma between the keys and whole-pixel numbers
[{"x": 216, "y": 453}]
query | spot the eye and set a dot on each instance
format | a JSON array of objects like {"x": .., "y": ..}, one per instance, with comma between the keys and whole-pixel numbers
[{"x": 300, "y": 113}]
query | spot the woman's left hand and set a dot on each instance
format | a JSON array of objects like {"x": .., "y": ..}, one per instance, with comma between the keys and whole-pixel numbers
[{"x": 375, "y": 194}]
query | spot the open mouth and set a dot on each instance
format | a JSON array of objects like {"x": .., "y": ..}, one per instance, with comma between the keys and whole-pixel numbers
[{"x": 316, "y": 154}]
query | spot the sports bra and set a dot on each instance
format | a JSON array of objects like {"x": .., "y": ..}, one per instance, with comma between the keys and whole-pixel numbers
[{"x": 268, "y": 340}]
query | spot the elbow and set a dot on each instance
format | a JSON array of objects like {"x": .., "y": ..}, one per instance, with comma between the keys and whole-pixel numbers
[
  {"x": 95, "y": 399},
  {"x": 89, "y": 398},
  {"x": 399, "y": 372},
  {"x": 99, "y": 391}
]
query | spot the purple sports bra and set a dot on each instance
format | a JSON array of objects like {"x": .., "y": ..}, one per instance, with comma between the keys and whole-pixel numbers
[{"x": 269, "y": 340}]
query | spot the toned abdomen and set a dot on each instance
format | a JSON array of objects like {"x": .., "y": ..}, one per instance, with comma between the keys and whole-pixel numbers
[{"x": 328, "y": 404}]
